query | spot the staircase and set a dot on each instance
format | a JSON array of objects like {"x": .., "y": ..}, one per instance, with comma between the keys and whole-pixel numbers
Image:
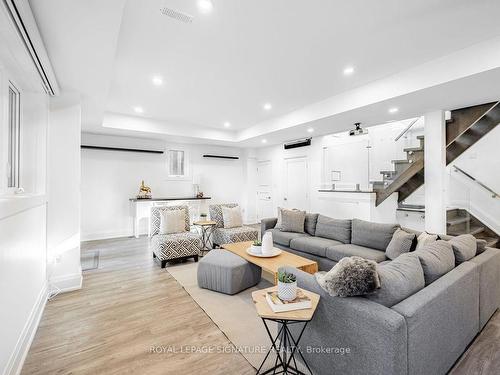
[
  {"x": 469, "y": 125},
  {"x": 407, "y": 176},
  {"x": 459, "y": 221},
  {"x": 465, "y": 127}
]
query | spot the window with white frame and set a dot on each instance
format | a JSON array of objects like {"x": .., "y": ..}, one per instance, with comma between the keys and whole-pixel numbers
[
  {"x": 177, "y": 163},
  {"x": 14, "y": 130}
]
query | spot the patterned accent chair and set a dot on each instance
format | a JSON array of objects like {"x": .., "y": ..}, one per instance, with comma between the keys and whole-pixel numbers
[
  {"x": 167, "y": 247},
  {"x": 223, "y": 235}
]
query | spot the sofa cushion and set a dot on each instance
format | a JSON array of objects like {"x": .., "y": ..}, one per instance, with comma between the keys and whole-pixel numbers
[
  {"x": 399, "y": 279},
  {"x": 310, "y": 223},
  {"x": 372, "y": 235},
  {"x": 425, "y": 239},
  {"x": 464, "y": 247},
  {"x": 334, "y": 229},
  {"x": 284, "y": 238},
  {"x": 338, "y": 252},
  {"x": 292, "y": 220},
  {"x": 437, "y": 259},
  {"x": 313, "y": 245},
  {"x": 402, "y": 242}
]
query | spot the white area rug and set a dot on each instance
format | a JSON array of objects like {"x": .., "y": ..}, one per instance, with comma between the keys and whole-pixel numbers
[{"x": 234, "y": 315}]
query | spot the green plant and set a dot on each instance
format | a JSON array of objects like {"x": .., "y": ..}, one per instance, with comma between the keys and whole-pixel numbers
[
  {"x": 203, "y": 215},
  {"x": 286, "y": 277},
  {"x": 257, "y": 243}
]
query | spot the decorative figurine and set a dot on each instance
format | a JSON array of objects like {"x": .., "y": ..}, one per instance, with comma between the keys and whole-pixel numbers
[
  {"x": 199, "y": 194},
  {"x": 144, "y": 192}
]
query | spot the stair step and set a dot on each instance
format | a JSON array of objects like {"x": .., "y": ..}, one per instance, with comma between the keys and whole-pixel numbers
[
  {"x": 402, "y": 161},
  {"x": 409, "y": 209},
  {"x": 420, "y": 137},
  {"x": 473, "y": 231},
  {"x": 413, "y": 149},
  {"x": 457, "y": 220},
  {"x": 490, "y": 241}
]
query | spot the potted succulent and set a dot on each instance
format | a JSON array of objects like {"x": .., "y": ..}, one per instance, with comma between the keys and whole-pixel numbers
[
  {"x": 203, "y": 216},
  {"x": 256, "y": 247},
  {"x": 287, "y": 286}
]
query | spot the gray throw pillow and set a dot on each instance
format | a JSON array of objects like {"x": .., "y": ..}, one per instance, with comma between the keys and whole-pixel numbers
[
  {"x": 334, "y": 229},
  {"x": 352, "y": 276},
  {"x": 399, "y": 279},
  {"x": 437, "y": 259},
  {"x": 425, "y": 239},
  {"x": 292, "y": 220},
  {"x": 464, "y": 247},
  {"x": 310, "y": 223},
  {"x": 401, "y": 243},
  {"x": 373, "y": 235}
]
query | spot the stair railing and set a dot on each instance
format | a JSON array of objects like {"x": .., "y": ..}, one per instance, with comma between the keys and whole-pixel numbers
[
  {"x": 405, "y": 130},
  {"x": 493, "y": 193}
]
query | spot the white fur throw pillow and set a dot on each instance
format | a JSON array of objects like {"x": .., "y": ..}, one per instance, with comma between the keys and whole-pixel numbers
[
  {"x": 231, "y": 216},
  {"x": 353, "y": 276}
]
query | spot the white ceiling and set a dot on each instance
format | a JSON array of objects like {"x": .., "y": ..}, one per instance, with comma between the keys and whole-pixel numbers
[{"x": 226, "y": 64}]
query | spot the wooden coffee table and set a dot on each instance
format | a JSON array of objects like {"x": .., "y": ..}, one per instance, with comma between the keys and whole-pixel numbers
[{"x": 273, "y": 264}]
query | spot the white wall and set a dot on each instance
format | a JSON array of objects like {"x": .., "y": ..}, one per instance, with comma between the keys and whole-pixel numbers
[
  {"x": 110, "y": 178},
  {"x": 23, "y": 285},
  {"x": 63, "y": 225}
]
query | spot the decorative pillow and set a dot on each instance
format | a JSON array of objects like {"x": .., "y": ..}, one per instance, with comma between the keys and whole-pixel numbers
[
  {"x": 401, "y": 243},
  {"x": 310, "y": 223},
  {"x": 437, "y": 259},
  {"x": 353, "y": 276},
  {"x": 232, "y": 217},
  {"x": 425, "y": 239},
  {"x": 172, "y": 221},
  {"x": 278, "y": 223},
  {"x": 334, "y": 229},
  {"x": 481, "y": 246},
  {"x": 399, "y": 279},
  {"x": 292, "y": 220},
  {"x": 373, "y": 235},
  {"x": 464, "y": 247}
]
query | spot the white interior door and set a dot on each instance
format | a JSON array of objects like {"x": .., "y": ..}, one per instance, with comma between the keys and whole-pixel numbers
[
  {"x": 296, "y": 184},
  {"x": 264, "y": 190}
]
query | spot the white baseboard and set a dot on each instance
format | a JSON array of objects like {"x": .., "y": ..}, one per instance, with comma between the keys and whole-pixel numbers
[
  {"x": 67, "y": 283},
  {"x": 107, "y": 234},
  {"x": 16, "y": 360}
]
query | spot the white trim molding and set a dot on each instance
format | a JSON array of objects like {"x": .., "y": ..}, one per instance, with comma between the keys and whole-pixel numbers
[{"x": 18, "y": 356}]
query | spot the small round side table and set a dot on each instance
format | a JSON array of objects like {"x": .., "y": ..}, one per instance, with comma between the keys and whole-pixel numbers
[
  {"x": 207, "y": 227},
  {"x": 287, "y": 343}
]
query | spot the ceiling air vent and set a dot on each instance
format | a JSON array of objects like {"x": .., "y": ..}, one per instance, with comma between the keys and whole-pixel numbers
[
  {"x": 176, "y": 15},
  {"x": 298, "y": 143}
]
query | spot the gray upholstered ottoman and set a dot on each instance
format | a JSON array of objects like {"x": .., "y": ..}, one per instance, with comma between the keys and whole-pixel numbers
[{"x": 225, "y": 272}]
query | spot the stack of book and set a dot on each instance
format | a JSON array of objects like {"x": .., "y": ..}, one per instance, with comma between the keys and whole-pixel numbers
[{"x": 278, "y": 305}]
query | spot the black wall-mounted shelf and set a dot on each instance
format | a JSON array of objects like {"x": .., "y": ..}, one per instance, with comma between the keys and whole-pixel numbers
[
  {"x": 221, "y": 157},
  {"x": 121, "y": 149}
]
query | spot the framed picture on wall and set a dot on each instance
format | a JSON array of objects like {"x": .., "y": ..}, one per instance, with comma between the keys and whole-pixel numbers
[{"x": 336, "y": 175}]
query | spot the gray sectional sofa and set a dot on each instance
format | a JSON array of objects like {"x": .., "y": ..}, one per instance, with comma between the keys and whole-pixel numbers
[{"x": 424, "y": 333}]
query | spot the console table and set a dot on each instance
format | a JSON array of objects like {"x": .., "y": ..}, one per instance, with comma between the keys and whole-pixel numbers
[{"x": 141, "y": 208}]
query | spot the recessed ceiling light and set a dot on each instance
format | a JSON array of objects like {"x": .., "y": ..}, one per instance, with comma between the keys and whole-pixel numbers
[
  {"x": 138, "y": 110},
  {"x": 393, "y": 110},
  {"x": 348, "y": 70},
  {"x": 157, "y": 81},
  {"x": 264, "y": 141},
  {"x": 310, "y": 130},
  {"x": 205, "y": 6},
  {"x": 268, "y": 106},
  {"x": 227, "y": 124}
]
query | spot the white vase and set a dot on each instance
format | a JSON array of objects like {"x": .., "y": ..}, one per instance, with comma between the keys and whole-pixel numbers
[
  {"x": 287, "y": 291},
  {"x": 267, "y": 243}
]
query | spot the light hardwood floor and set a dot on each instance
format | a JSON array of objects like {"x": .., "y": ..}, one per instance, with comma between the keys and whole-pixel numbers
[
  {"x": 126, "y": 307},
  {"x": 129, "y": 305}
]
